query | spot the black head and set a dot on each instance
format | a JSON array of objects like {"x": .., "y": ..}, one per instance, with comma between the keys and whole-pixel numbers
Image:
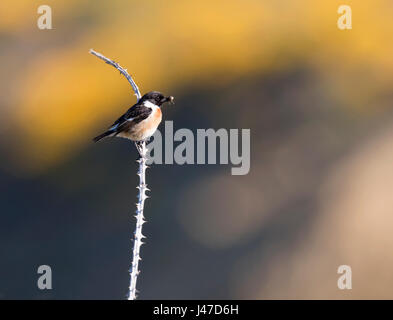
[{"x": 157, "y": 98}]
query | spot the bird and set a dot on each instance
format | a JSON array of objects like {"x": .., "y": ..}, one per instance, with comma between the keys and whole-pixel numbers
[{"x": 140, "y": 121}]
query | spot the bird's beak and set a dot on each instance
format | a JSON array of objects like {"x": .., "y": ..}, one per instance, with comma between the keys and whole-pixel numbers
[{"x": 170, "y": 99}]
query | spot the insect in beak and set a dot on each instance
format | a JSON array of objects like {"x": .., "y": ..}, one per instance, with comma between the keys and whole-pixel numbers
[{"x": 169, "y": 99}]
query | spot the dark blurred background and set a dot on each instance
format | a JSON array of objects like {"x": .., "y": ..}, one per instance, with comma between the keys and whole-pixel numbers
[{"x": 318, "y": 101}]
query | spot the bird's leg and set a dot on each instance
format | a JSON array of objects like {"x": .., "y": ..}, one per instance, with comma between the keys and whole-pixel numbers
[{"x": 139, "y": 148}]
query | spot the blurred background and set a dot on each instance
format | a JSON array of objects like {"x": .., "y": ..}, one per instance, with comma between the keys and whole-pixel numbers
[{"x": 318, "y": 101}]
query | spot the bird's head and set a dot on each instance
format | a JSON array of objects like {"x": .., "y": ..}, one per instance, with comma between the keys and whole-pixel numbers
[{"x": 157, "y": 98}]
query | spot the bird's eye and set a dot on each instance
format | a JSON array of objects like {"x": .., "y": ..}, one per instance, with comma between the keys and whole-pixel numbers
[{"x": 158, "y": 98}]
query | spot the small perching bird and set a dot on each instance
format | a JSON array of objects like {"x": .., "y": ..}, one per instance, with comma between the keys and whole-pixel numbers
[
  {"x": 138, "y": 124},
  {"x": 140, "y": 121}
]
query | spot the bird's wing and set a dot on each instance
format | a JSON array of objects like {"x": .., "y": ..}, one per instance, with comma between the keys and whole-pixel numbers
[{"x": 136, "y": 113}]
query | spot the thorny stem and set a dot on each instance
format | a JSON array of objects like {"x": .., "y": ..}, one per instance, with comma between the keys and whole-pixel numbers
[
  {"x": 140, "y": 219},
  {"x": 122, "y": 71}
]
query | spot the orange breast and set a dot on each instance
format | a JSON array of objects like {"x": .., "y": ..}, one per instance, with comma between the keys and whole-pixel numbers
[
  {"x": 157, "y": 116},
  {"x": 152, "y": 122}
]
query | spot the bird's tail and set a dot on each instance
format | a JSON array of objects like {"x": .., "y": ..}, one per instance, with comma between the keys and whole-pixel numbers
[{"x": 101, "y": 136}]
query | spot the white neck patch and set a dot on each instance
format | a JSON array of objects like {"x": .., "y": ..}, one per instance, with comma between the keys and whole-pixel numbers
[{"x": 150, "y": 105}]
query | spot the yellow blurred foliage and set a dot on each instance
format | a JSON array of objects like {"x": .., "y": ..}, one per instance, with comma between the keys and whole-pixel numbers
[{"x": 64, "y": 95}]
